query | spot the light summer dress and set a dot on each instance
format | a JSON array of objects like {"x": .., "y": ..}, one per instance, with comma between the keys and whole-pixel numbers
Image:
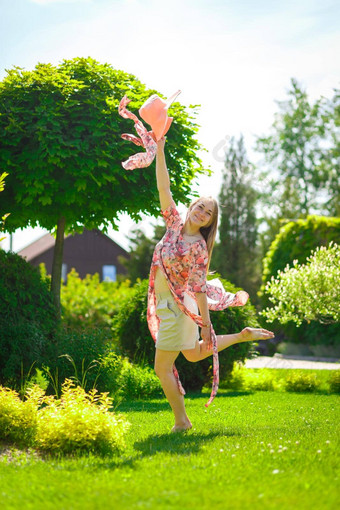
[{"x": 184, "y": 266}]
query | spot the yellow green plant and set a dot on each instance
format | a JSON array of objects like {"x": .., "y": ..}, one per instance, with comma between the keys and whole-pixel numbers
[
  {"x": 334, "y": 381},
  {"x": 88, "y": 302},
  {"x": 297, "y": 381},
  {"x": 78, "y": 421},
  {"x": 18, "y": 419}
]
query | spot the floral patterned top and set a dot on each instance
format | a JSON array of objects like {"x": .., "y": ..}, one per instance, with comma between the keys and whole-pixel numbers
[{"x": 184, "y": 265}]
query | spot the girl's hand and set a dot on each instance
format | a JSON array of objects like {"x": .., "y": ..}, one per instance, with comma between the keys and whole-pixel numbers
[{"x": 206, "y": 337}]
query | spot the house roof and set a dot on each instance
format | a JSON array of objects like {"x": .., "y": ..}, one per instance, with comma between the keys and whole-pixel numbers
[
  {"x": 35, "y": 249},
  {"x": 45, "y": 243}
]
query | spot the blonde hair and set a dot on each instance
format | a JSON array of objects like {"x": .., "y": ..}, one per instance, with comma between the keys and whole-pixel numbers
[{"x": 210, "y": 230}]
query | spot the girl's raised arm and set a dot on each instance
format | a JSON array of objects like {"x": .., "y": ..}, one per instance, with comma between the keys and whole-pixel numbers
[{"x": 162, "y": 176}]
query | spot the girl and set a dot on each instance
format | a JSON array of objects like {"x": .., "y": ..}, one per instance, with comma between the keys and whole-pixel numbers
[{"x": 178, "y": 289}]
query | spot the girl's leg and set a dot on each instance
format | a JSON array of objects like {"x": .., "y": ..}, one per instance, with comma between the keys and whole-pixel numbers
[
  {"x": 164, "y": 361},
  {"x": 223, "y": 341}
]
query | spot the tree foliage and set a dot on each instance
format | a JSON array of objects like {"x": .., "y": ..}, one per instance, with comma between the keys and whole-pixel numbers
[
  {"x": 301, "y": 159},
  {"x": 60, "y": 143},
  {"x": 4, "y": 216},
  {"x": 141, "y": 251},
  {"x": 235, "y": 255},
  {"x": 60, "y": 139},
  {"x": 307, "y": 291}
]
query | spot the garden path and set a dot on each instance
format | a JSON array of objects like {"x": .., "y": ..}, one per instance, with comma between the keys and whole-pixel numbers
[{"x": 286, "y": 361}]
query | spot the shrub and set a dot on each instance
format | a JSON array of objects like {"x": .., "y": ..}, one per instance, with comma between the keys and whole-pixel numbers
[
  {"x": 80, "y": 422},
  {"x": 89, "y": 359},
  {"x": 236, "y": 378},
  {"x": 18, "y": 419},
  {"x": 90, "y": 303},
  {"x": 295, "y": 241},
  {"x": 124, "y": 380},
  {"x": 245, "y": 379},
  {"x": 28, "y": 317},
  {"x": 301, "y": 382},
  {"x": 259, "y": 380},
  {"x": 139, "y": 382},
  {"x": 334, "y": 381},
  {"x": 294, "y": 291},
  {"x": 75, "y": 355},
  {"x": 131, "y": 332}
]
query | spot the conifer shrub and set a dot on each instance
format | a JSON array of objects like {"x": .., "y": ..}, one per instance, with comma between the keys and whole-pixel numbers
[
  {"x": 130, "y": 331},
  {"x": 28, "y": 319}
]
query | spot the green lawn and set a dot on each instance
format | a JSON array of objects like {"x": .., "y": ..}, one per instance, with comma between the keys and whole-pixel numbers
[{"x": 260, "y": 450}]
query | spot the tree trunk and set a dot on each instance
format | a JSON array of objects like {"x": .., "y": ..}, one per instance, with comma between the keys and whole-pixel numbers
[{"x": 57, "y": 264}]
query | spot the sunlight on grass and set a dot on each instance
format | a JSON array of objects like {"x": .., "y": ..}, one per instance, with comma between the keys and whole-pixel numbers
[{"x": 248, "y": 450}]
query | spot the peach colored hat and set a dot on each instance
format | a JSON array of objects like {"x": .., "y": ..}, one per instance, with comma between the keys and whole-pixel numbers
[{"x": 155, "y": 113}]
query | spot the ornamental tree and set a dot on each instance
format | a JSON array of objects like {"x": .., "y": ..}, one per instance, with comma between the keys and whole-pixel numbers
[
  {"x": 307, "y": 291},
  {"x": 61, "y": 146}
]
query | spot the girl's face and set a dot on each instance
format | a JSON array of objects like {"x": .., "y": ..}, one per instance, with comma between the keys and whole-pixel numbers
[{"x": 202, "y": 212}]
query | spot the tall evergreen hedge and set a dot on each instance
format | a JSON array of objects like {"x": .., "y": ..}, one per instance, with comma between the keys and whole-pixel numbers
[{"x": 28, "y": 318}]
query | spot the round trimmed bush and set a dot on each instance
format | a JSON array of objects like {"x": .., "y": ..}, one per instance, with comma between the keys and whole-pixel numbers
[
  {"x": 28, "y": 317},
  {"x": 134, "y": 340}
]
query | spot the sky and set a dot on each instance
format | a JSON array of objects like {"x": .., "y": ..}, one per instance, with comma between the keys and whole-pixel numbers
[{"x": 235, "y": 58}]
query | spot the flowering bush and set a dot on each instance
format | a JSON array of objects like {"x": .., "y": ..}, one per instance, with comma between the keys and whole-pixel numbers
[{"x": 309, "y": 291}]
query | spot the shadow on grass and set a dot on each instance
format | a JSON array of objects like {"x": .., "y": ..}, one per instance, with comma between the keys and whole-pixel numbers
[
  {"x": 177, "y": 444},
  {"x": 205, "y": 394},
  {"x": 154, "y": 406}
]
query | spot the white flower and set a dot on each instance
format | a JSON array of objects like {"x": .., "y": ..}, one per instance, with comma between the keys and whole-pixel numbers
[{"x": 276, "y": 471}]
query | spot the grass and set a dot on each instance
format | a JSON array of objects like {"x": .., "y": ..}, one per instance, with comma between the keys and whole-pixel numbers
[{"x": 256, "y": 450}]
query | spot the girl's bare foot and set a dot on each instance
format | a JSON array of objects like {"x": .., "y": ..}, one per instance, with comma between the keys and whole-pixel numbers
[
  {"x": 182, "y": 427},
  {"x": 253, "y": 334}
]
